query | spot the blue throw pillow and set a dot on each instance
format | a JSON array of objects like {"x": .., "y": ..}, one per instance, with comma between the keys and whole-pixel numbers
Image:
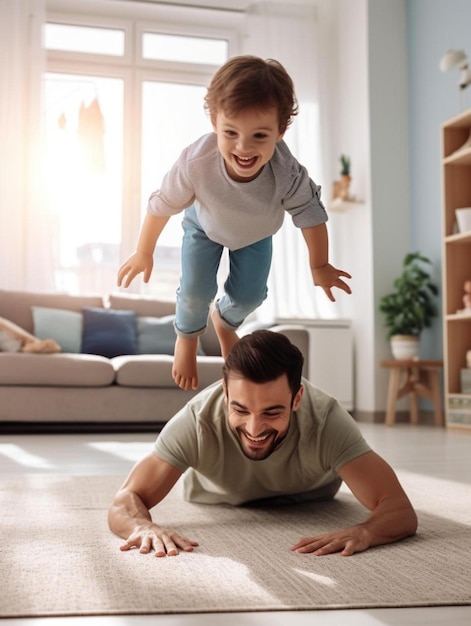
[
  {"x": 63, "y": 326},
  {"x": 156, "y": 335},
  {"x": 109, "y": 332}
]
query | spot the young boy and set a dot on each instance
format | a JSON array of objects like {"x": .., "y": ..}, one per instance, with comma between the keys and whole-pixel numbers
[{"x": 234, "y": 185}]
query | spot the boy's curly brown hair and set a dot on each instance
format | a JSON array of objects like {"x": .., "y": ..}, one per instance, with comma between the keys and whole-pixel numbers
[{"x": 246, "y": 82}]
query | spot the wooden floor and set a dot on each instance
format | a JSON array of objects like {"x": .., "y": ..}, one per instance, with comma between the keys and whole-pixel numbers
[{"x": 424, "y": 449}]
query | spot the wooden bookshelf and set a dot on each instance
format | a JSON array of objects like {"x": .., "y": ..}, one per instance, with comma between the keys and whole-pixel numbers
[{"x": 456, "y": 188}]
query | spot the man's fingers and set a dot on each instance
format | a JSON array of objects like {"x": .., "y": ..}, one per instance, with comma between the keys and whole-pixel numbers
[
  {"x": 327, "y": 544},
  {"x": 348, "y": 550},
  {"x": 171, "y": 544},
  {"x": 309, "y": 544},
  {"x": 166, "y": 544},
  {"x": 187, "y": 544},
  {"x": 128, "y": 545}
]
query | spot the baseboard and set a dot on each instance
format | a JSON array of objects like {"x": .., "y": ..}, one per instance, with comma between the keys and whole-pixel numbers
[
  {"x": 66, "y": 428},
  {"x": 57, "y": 428},
  {"x": 402, "y": 417},
  {"x": 368, "y": 417}
]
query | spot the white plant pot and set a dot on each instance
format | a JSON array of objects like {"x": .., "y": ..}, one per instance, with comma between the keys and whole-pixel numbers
[{"x": 405, "y": 347}]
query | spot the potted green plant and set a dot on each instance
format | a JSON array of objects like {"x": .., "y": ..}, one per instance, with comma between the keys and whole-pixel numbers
[
  {"x": 344, "y": 165},
  {"x": 411, "y": 307},
  {"x": 345, "y": 177}
]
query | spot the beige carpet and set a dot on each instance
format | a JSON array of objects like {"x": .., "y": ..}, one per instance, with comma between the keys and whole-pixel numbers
[{"x": 57, "y": 556}]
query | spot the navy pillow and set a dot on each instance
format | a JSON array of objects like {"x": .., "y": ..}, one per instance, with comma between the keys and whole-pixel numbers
[{"x": 108, "y": 332}]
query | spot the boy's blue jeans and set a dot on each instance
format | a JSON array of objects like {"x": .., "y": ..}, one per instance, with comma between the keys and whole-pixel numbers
[{"x": 245, "y": 287}]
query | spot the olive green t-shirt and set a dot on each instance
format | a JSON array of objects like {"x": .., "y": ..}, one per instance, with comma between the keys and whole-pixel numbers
[{"x": 321, "y": 438}]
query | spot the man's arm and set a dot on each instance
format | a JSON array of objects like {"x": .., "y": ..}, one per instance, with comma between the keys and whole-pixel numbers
[
  {"x": 129, "y": 516},
  {"x": 374, "y": 483}
]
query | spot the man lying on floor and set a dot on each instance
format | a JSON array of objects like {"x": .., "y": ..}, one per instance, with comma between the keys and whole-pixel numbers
[{"x": 263, "y": 435}]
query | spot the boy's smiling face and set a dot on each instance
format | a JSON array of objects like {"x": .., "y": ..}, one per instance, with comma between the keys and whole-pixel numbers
[{"x": 247, "y": 141}]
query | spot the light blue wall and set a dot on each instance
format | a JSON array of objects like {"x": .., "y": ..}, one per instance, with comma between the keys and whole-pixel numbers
[{"x": 433, "y": 27}]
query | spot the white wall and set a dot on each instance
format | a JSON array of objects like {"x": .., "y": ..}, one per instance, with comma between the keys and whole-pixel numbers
[
  {"x": 389, "y": 131},
  {"x": 351, "y": 230},
  {"x": 372, "y": 122}
]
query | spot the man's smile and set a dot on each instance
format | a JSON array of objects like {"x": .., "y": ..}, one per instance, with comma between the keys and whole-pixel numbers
[
  {"x": 262, "y": 445},
  {"x": 256, "y": 440}
]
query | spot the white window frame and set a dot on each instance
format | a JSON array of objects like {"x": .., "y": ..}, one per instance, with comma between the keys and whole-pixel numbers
[
  {"x": 182, "y": 30},
  {"x": 135, "y": 19},
  {"x": 98, "y": 21}
]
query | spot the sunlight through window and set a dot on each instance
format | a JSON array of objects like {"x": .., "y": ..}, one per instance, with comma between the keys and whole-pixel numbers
[
  {"x": 84, "y": 117},
  {"x": 20, "y": 456},
  {"x": 120, "y": 105},
  {"x": 129, "y": 451},
  {"x": 322, "y": 580}
]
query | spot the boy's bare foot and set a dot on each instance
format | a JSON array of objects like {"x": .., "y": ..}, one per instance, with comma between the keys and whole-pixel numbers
[
  {"x": 227, "y": 338},
  {"x": 184, "y": 371}
]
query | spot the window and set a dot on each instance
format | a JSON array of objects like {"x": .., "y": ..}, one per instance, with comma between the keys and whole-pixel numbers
[
  {"x": 186, "y": 49},
  {"x": 120, "y": 103},
  {"x": 67, "y": 37},
  {"x": 84, "y": 173}
]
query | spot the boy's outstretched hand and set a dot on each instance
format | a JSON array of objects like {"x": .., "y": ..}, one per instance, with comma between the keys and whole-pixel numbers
[
  {"x": 137, "y": 263},
  {"x": 327, "y": 277}
]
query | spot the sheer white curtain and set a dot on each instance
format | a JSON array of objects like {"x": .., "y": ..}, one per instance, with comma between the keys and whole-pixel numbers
[
  {"x": 289, "y": 33},
  {"x": 24, "y": 247}
]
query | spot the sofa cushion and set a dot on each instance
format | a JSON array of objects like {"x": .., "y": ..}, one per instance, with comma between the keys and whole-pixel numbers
[
  {"x": 59, "y": 324},
  {"x": 147, "y": 370},
  {"x": 16, "y": 305},
  {"x": 108, "y": 333},
  {"x": 67, "y": 370},
  {"x": 141, "y": 305},
  {"x": 148, "y": 306}
]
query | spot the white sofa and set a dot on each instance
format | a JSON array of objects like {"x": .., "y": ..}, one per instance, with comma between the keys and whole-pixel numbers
[{"x": 73, "y": 388}]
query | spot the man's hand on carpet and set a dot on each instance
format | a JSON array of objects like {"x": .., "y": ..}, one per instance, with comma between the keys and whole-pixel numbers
[
  {"x": 347, "y": 542},
  {"x": 164, "y": 542}
]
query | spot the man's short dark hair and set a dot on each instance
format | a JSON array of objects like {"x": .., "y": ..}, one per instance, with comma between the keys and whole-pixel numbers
[{"x": 263, "y": 356}]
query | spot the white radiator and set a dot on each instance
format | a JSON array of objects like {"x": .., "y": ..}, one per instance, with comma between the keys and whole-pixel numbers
[{"x": 330, "y": 360}]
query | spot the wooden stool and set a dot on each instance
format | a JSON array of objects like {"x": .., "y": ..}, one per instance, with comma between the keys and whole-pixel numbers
[{"x": 416, "y": 378}]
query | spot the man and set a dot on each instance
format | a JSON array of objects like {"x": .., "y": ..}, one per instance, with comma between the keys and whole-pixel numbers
[{"x": 263, "y": 434}]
